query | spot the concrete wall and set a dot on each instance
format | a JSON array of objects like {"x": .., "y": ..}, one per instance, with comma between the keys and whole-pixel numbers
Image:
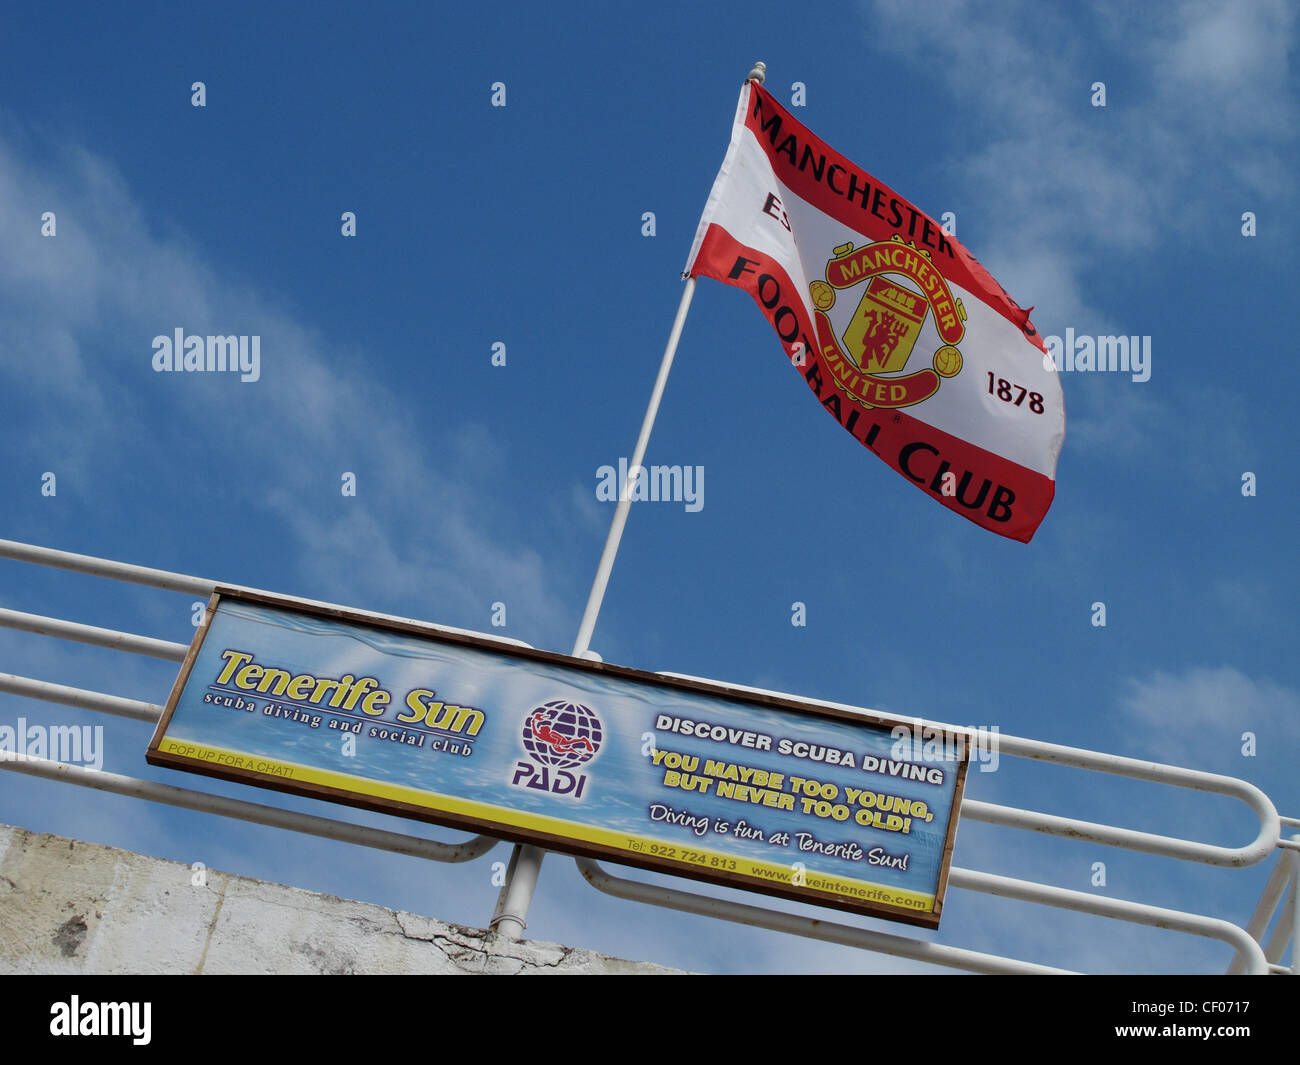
[{"x": 71, "y": 907}]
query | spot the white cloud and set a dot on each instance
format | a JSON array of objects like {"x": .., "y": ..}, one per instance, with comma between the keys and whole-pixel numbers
[
  {"x": 1199, "y": 715},
  {"x": 1198, "y": 104},
  {"x": 77, "y": 316}
]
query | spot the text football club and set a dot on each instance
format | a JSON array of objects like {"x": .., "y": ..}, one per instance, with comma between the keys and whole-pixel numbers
[{"x": 922, "y": 453}]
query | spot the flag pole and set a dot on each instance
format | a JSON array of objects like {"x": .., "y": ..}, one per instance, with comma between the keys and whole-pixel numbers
[
  {"x": 508, "y": 920},
  {"x": 526, "y": 861},
  {"x": 597, "y": 595}
]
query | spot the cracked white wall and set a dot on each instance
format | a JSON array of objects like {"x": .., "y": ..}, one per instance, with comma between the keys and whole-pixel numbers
[{"x": 71, "y": 907}]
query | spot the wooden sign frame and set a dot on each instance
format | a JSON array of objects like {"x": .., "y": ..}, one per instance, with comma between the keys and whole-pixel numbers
[{"x": 952, "y": 739}]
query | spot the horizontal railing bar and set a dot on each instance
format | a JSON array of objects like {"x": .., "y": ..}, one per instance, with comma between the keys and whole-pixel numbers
[
  {"x": 102, "y": 567},
  {"x": 241, "y": 810},
  {"x": 1176, "y": 776},
  {"x": 1100, "y": 906},
  {"x": 180, "y": 582},
  {"x": 91, "y": 634},
  {"x": 987, "y": 883},
  {"x": 808, "y": 927},
  {"x": 1294, "y": 822},
  {"x": 1091, "y": 831},
  {"x": 79, "y": 697}
]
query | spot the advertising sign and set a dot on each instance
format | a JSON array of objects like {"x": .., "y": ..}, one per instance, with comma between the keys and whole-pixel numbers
[{"x": 680, "y": 776}]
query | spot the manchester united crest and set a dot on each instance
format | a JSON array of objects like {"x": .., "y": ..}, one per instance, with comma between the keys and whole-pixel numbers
[{"x": 900, "y": 291}]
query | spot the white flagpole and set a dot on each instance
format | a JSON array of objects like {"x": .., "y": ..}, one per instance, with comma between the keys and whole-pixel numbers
[
  {"x": 597, "y": 595},
  {"x": 526, "y": 861}
]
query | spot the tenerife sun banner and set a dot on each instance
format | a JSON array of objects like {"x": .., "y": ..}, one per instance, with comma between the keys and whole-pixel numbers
[{"x": 901, "y": 334}]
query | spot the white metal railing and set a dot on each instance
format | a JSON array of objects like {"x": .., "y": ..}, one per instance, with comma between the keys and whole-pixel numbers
[
  {"x": 827, "y": 931},
  {"x": 1250, "y": 954},
  {"x": 79, "y": 697}
]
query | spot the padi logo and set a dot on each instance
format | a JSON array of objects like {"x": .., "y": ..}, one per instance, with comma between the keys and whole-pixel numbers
[
  {"x": 560, "y": 736},
  {"x": 879, "y": 335}
]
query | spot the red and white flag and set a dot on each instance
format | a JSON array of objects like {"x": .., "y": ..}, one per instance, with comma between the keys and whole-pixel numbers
[{"x": 901, "y": 334}]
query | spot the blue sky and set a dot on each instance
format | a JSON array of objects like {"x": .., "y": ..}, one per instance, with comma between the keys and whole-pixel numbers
[{"x": 477, "y": 484}]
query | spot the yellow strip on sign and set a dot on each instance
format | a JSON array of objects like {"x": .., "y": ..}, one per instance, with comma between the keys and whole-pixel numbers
[{"x": 658, "y": 849}]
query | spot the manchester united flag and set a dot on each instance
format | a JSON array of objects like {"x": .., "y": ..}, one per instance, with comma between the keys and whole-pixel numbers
[{"x": 901, "y": 334}]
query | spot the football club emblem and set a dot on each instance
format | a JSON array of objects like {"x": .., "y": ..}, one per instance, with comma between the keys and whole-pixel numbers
[{"x": 869, "y": 353}]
